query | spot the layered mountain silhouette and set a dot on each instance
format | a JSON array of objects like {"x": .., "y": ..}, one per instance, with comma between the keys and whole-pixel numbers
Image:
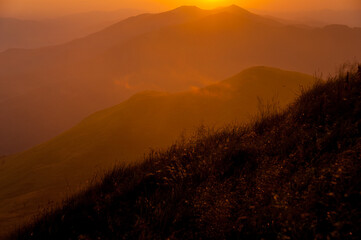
[
  {"x": 45, "y": 91},
  {"x": 20, "y": 33},
  {"x": 123, "y": 133},
  {"x": 324, "y": 17}
]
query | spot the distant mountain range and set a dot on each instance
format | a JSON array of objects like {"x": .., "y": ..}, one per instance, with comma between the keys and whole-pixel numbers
[
  {"x": 321, "y": 18},
  {"x": 124, "y": 133},
  {"x": 45, "y": 91},
  {"x": 19, "y": 33}
]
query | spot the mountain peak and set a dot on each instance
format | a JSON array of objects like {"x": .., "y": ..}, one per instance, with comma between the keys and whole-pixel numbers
[
  {"x": 234, "y": 8},
  {"x": 186, "y": 8}
]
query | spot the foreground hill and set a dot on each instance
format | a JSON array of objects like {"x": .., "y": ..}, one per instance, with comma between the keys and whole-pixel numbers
[
  {"x": 290, "y": 175},
  {"x": 46, "y": 91},
  {"x": 122, "y": 134},
  {"x": 17, "y": 33}
]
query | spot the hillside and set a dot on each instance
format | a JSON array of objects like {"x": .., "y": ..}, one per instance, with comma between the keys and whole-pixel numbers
[
  {"x": 19, "y": 33},
  {"x": 290, "y": 175},
  {"x": 123, "y": 133},
  {"x": 53, "y": 88}
]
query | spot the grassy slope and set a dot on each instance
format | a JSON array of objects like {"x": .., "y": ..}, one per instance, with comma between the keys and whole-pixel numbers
[
  {"x": 292, "y": 175},
  {"x": 125, "y": 132}
]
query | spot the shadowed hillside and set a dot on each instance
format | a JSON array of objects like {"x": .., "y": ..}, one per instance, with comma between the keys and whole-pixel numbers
[
  {"x": 45, "y": 91},
  {"x": 122, "y": 134},
  {"x": 290, "y": 175}
]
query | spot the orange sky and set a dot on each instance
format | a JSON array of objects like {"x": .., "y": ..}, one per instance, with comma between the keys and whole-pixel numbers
[{"x": 42, "y": 8}]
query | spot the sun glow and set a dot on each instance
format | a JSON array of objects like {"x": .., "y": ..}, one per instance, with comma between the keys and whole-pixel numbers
[
  {"x": 208, "y": 4},
  {"x": 214, "y": 3},
  {"x": 50, "y": 9}
]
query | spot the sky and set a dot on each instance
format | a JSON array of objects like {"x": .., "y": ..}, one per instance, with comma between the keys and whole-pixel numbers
[{"x": 53, "y": 8}]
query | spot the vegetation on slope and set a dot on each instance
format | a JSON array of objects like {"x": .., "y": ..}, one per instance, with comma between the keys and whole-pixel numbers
[
  {"x": 290, "y": 175},
  {"x": 125, "y": 132}
]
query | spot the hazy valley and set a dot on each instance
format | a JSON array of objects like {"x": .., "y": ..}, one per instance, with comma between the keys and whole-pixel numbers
[
  {"x": 21, "y": 33},
  {"x": 186, "y": 47}
]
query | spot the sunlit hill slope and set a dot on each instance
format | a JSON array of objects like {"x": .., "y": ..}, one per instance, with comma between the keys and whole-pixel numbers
[
  {"x": 289, "y": 175},
  {"x": 122, "y": 134}
]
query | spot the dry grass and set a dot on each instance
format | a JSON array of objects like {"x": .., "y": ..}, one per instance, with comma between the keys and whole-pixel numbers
[{"x": 293, "y": 174}]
